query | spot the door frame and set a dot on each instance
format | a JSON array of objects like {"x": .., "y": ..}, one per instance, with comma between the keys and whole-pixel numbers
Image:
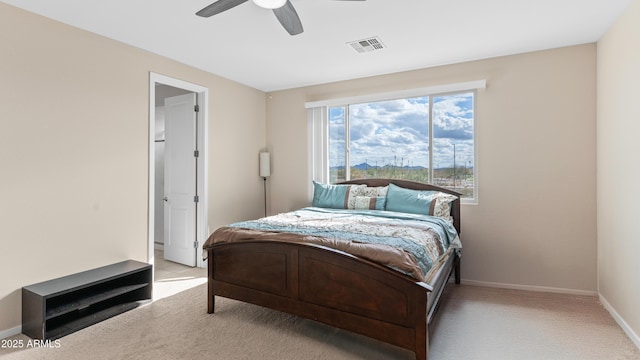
[{"x": 202, "y": 225}]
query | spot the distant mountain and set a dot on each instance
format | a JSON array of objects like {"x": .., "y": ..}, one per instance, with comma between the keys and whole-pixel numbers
[{"x": 365, "y": 166}]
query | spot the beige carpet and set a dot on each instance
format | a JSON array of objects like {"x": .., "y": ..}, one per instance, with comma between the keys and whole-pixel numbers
[{"x": 473, "y": 323}]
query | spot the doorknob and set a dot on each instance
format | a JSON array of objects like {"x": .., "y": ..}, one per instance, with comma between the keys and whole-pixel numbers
[{"x": 165, "y": 198}]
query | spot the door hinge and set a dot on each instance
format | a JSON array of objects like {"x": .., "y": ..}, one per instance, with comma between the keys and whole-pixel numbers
[
  {"x": 195, "y": 244},
  {"x": 196, "y": 153},
  {"x": 196, "y": 108},
  {"x": 196, "y": 198}
]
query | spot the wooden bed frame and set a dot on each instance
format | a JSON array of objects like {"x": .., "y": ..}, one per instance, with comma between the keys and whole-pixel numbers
[{"x": 331, "y": 286}]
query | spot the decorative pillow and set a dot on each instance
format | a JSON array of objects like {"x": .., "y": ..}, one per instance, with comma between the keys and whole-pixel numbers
[
  {"x": 370, "y": 203},
  {"x": 371, "y": 192},
  {"x": 441, "y": 205},
  {"x": 425, "y": 202},
  {"x": 334, "y": 196},
  {"x": 374, "y": 191}
]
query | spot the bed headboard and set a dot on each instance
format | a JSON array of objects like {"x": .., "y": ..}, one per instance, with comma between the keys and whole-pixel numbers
[{"x": 414, "y": 185}]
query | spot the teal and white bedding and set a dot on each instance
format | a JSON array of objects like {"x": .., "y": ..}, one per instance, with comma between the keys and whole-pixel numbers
[{"x": 414, "y": 244}]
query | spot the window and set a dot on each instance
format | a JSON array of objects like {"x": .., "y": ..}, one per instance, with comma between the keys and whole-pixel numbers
[{"x": 426, "y": 138}]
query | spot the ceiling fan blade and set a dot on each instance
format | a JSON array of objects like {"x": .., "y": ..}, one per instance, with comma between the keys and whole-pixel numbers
[
  {"x": 218, "y": 7},
  {"x": 289, "y": 18}
]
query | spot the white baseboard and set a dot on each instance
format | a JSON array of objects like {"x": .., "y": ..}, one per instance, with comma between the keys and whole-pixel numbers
[
  {"x": 10, "y": 332},
  {"x": 623, "y": 324},
  {"x": 529, "y": 288}
]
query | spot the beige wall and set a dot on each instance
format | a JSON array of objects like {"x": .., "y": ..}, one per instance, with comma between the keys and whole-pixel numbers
[
  {"x": 74, "y": 157},
  {"x": 618, "y": 127},
  {"x": 535, "y": 221},
  {"x": 74, "y": 151}
]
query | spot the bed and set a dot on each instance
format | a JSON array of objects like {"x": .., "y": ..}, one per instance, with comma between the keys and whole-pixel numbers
[{"x": 342, "y": 286}]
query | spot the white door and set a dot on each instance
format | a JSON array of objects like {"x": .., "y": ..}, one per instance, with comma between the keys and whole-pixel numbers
[{"x": 180, "y": 196}]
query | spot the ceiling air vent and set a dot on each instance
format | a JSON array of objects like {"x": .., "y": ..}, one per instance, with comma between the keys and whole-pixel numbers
[{"x": 366, "y": 45}]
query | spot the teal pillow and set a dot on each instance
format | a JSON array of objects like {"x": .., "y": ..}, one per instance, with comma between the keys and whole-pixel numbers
[
  {"x": 427, "y": 202},
  {"x": 409, "y": 201},
  {"x": 333, "y": 196}
]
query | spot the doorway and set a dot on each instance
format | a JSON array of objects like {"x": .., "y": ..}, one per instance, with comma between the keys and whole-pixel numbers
[{"x": 164, "y": 212}]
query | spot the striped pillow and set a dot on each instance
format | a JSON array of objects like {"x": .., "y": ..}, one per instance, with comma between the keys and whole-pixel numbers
[
  {"x": 370, "y": 202},
  {"x": 425, "y": 202},
  {"x": 367, "y": 191},
  {"x": 335, "y": 196}
]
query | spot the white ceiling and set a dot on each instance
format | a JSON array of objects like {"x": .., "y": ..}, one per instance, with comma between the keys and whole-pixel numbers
[{"x": 247, "y": 43}]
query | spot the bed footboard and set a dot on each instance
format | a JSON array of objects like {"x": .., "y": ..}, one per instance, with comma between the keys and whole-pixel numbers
[{"x": 324, "y": 285}]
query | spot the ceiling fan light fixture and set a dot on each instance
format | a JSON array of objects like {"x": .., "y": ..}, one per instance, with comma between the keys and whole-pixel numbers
[{"x": 270, "y": 4}]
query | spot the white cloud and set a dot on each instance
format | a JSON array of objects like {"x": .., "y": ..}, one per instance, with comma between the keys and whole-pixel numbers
[{"x": 396, "y": 131}]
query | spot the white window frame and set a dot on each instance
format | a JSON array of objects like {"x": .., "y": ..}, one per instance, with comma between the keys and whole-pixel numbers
[{"x": 318, "y": 137}]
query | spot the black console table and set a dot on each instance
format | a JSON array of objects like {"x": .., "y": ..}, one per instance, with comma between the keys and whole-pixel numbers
[{"x": 58, "y": 307}]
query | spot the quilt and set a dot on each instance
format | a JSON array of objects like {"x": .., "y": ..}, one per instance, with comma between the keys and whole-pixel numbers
[{"x": 410, "y": 243}]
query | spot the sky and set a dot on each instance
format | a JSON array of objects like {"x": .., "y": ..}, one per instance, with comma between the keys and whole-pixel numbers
[{"x": 396, "y": 132}]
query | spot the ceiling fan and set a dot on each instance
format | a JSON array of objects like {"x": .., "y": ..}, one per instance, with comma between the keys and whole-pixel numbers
[{"x": 283, "y": 9}]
